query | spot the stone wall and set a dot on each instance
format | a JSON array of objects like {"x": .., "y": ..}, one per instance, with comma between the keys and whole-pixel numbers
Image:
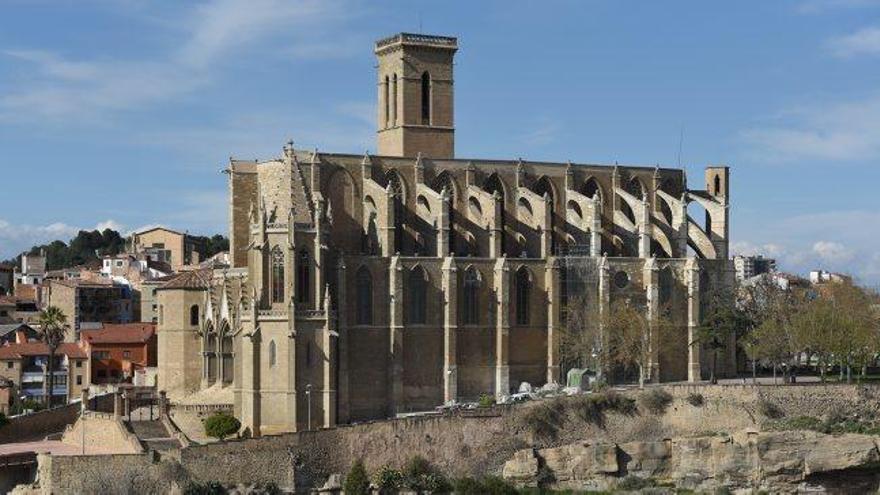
[
  {"x": 103, "y": 434},
  {"x": 38, "y": 425},
  {"x": 479, "y": 442}
]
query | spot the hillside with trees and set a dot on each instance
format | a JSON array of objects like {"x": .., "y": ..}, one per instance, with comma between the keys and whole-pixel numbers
[{"x": 90, "y": 246}]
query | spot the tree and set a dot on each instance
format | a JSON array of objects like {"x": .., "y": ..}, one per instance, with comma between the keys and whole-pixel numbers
[
  {"x": 357, "y": 482},
  {"x": 632, "y": 336},
  {"x": 722, "y": 320},
  {"x": 221, "y": 425},
  {"x": 581, "y": 344},
  {"x": 53, "y": 327},
  {"x": 853, "y": 314}
]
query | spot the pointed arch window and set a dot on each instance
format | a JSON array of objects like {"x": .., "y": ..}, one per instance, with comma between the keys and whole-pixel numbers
[
  {"x": 387, "y": 101},
  {"x": 394, "y": 100},
  {"x": 364, "y": 287},
  {"x": 471, "y": 302},
  {"x": 272, "y": 354},
  {"x": 426, "y": 98},
  {"x": 277, "y": 275},
  {"x": 194, "y": 315},
  {"x": 717, "y": 184},
  {"x": 303, "y": 276},
  {"x": 417, "y": 291},
  {"x": 523, "y": 290}
]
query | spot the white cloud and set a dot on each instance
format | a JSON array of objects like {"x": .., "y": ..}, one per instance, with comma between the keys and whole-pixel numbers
[
  {"x": 840, "y": 131},
  {"x": 15, "y": 239},
  {"x": 64, "y": 89},
  {"x": 842, "y": 240},
  {"x": 832, "y": 252},
  {"x": 863, "y": 42}
]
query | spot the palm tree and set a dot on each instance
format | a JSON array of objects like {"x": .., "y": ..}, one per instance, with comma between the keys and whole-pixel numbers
[{"x": 53, "y": 326}]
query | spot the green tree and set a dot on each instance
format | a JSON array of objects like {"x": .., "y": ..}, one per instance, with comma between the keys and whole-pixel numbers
[
  {"x": 53, "y": 327},
  {"x": 357, "y": 482},
  {"x": 632, "y": 336},
  {"x": 221, "y": 425}
]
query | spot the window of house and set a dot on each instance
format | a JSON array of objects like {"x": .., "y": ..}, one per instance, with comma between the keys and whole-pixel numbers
[
  {"x": 10, "y": 365},
  {"x": 79, "y": 379},
  {"x": 79, "y": 364},
  {"x": 126, "y": 354},
  {"x": 119, "y": 263}
]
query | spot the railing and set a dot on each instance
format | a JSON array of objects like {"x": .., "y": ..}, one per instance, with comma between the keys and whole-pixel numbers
[
  {"x": 417, "y": 38},
  {"x": 272, "y": 313}
]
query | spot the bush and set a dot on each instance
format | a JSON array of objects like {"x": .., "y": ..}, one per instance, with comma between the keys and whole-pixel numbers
[
  {"x": 695, "y": 399},
  {"x": 655, "y": 401},
  {"x": 388, "y": 479},
  {"x": 207, "y": 488},
  {"x": 612, "y": 401},
  {"x": 356, "y": 482},
  {"x": 544, "y": 419},
  {"x": 3, "y": 420},
  {"x": 420, "y": 476},
  {"x": 486, "y": 400},
  {"x": 590, "y": 409},
  {"x": 634, "y": 483},
  {"x": 769, "y": 409},
  {"x": 490, "y": 485},
  {"x": 221, "y": 425}
]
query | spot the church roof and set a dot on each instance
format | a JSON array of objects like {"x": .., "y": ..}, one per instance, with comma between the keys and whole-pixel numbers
[{"x": 194, "y": 279}]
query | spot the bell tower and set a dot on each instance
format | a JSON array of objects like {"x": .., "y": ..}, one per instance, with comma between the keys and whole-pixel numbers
[{"x": 416, "y": 95}]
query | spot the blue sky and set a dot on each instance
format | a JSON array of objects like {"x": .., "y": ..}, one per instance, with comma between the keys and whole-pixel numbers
[{"x": 122, "y": 113}]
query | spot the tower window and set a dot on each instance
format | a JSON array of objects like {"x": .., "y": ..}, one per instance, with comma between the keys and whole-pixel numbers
[
  {"x": 394, "y": 100},
  {"x": 387, "y": 101},
  {"x": 303, "y": 274},
  {"x": 717, "y": 184},
  {"x": 194, "y": 315},
  {"x": 364, "y": 286},
  {"x": 523, "y": 288},
  {"x": 426, "y": 98},
  {"x": 277, "y": 275}
]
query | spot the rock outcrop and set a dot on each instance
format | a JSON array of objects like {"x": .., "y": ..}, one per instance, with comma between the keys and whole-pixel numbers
[{"x": 773, "y": 461}]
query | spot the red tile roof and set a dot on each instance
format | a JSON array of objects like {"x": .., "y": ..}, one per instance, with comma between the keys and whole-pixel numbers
[
  {"x": 17, "y": 351},
  {"x": 195, "y": 279},
  {"x": 123, "y": 333}
]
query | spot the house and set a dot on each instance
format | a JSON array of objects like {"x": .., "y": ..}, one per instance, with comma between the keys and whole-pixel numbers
[
  {"x": 7, "y": 279},
  {"x": 24, "y": 364},
  {"x": 14, "y": 309},
  {"x": 118, "y": 352},
  {"x": 17, "y": 332},
  {"x": 168, "y": 246},
  {"x": 91, "y": 301}
]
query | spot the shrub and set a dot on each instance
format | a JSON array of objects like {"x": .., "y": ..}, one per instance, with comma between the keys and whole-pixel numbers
[
  {"x": 207, "y": 488},
  {"x": 420, "y": 476},
  {"x": 356, "y": 482},
  {"x": 695, "y": 399},
  {"x": 769, "y": 409},
  {"x": 544, "y": 419},
  {"x": 221, "y": 425},
  {"x": 486, "y": 400},
  {"x": 655, "y": 401},
  {"x": 590, "y": 409},
  {"x": 634, "y": 483},
  {"x": 3, "y": 420},
  {"x": 388, "y": 479},
  {"x": 612, "y": 401}
]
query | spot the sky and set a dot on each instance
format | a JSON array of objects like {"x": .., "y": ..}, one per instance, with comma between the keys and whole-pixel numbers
[{"x": 122, "y": 113}]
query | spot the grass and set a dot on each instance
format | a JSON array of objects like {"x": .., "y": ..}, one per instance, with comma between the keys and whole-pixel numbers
[
  {"x": 833, "y": 425},
  {"x": 770, "y": 410}
]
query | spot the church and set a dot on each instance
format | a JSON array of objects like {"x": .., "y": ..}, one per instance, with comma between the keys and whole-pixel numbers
[{"x": 364, "y": 286}]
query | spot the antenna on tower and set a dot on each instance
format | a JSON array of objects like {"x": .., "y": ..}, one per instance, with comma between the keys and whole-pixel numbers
[
  {"x": 680, "y": 143},
  {"x": 420, "y": 22}
]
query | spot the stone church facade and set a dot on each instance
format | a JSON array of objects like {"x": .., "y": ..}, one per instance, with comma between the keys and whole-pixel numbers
[{"x": 364, "y": 286}]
